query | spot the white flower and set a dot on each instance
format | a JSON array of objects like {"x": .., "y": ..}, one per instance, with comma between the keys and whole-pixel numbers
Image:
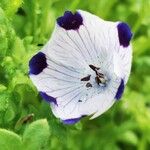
[{"x": 84, "y": 67}]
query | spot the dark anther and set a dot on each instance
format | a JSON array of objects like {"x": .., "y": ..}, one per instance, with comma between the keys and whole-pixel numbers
[
  {"x": 88, "y": 85},
  {"x": 100, "y": 74},
  {"x": 97, "y": 79},
  {"x": 87, "y": 78},
  {"x": 94, "y": 68},
  {"x": 79, "y": 100}
]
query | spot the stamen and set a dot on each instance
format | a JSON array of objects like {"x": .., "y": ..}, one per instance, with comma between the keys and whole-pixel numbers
[
  {"x": 97, "y": 79},
  {"x": 100, "y": 80},
  {"x": 100, "y": 74},
  {"x": 94, "y": 68},
  {"x": 103, "y": 80},
  {"x": 88, "y": 85},
  {"x": 87, "y": 78}
]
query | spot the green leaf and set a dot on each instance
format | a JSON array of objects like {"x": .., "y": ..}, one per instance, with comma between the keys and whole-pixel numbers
[
  {"x": 36, "y": 135},
  {"x": 4, "y": 101},
  {"x": 129, "y": 137},
  {"x": 10, "y": 113},
  {"x": 2, "y": 87},
  {"x": 18, "y": 50},
  {"x": 27, "y": 94},
  {"x": 9, "y": 140},
  {"x": 10, "y": 6},
  {"x": 3, "y": 40}
]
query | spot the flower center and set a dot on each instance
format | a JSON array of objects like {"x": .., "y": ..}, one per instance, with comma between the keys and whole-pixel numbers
[{"x": 100, "y": 78}]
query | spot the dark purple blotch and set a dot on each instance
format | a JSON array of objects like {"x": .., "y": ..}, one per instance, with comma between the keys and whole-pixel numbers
[
  {"x": 120, "y": 90},
  {"x": 124, "y": 34},
  {"x": 71, "y": 121},
  {"x": 70, "y": 21},
  {"x": 37, "y": 63},
  {"x": 48, "y": 98}
]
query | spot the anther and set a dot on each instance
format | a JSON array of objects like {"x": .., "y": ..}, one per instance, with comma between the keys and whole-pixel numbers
[
  {"x": 94, "y": 68},
  {"x": 88, "y": 85},
  {"x": 87, "y": 78},
  {"x": 97, "y": 79}
]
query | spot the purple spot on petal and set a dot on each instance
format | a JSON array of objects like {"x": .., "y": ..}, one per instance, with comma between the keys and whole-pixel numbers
[
  {"x": 37, "y": 63},
  {"x": 120, "y": 90},
  {"x": 71, "y": 121},
  {"x": 70, "y": 21},
  {"x": 48, "y": 98},
  {"x": 124, "y": 34}
]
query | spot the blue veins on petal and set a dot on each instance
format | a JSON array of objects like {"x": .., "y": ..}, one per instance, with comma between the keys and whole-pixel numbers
[
  {"x": 124, "y": 34},
  {"x": 120, "y": 90},
  {"x": 48, "y": 98},
  {"x": 37, "y": 63},
  {"x": 70, "y": 21}
]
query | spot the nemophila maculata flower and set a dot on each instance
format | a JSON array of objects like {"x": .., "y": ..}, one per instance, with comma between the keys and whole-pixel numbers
[{"x": 84, "y": 67}]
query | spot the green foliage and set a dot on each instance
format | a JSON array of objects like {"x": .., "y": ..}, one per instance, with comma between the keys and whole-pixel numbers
[
  {"x": 9, "y": 140},
  {"x": 26, "y": 121},
  {"x": 36, "y": 136}
]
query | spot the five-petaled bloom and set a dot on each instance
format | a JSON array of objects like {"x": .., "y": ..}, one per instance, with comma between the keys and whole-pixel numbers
[{"x": 84, "y": 67}]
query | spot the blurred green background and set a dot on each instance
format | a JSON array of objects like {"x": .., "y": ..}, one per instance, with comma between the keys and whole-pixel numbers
[{"x": 26, "y": 122}]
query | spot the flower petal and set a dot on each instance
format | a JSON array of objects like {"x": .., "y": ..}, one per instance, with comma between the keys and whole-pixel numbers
[
  {"x": 122, "y": 60},
  {"x": 91, "y": 102}
]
